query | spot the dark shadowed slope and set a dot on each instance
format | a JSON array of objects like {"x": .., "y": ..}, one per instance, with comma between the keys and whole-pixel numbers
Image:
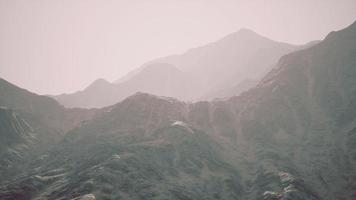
[
  {"x": 30, "y": 124},
  {"x": 16, "y": 138},
  {"x": 200, "y": 73},
  {"x": 40, "y": 111}
]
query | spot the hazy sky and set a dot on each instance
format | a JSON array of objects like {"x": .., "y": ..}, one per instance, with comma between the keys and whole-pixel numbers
[{"x": 56, "y": 46}]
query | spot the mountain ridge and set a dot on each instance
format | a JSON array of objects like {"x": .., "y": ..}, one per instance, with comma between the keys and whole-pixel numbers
[{"x": 241, "y": 54}]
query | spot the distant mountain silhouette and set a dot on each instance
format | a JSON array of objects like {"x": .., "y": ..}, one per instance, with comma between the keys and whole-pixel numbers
[
  {"x": 100, "y": 92},
  {"x": 198, "y": 74}
]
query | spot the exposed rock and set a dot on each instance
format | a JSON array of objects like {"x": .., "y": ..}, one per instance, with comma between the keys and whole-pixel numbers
[{"x": 88, "y": 197}]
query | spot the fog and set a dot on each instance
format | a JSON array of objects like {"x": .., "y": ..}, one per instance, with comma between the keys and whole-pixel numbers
[{"x": 60, "y": 46}]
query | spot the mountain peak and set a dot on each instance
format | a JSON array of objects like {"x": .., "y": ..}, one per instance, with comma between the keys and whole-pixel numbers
[
  {"x": 246, "y": 31},
  {"x": 191, "y": 75},
  {"x": 98, "y": 83},
  {"x": 246, "y": 35}
]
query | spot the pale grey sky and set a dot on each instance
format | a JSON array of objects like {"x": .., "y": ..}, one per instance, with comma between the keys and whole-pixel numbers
[{"x": 57, "y": 46}]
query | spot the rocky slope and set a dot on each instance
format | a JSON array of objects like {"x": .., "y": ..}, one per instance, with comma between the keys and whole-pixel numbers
[
  {"x": 301, "y": 118},
  {"x": 40, "y": 111},
  {"x": 30, "y": 124},
  {"x": 16, "y": 139}
]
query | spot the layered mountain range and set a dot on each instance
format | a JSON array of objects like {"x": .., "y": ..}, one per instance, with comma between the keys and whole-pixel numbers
[
  {"x": 291, "y": 136},
  {"x": 221, "y": 69}
]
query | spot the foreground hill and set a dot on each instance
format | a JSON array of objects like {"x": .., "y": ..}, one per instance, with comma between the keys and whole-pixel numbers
[
  {"x": 211, "y": 71},
  {"x": 41, "y": 111},
  {"x": 290, "y": 137},
  {"x": 29, "y": 125}
]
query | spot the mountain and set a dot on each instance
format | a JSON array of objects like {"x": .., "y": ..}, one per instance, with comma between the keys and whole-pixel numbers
[
  {"x": 198, "y": 74},
  {"x": 16, "y": 137},
  {"x": 301, "y": 120},
  {"x": 29, "y": 125},
  {"x": 137, "y": 150},
  {"x": 40, "y": 111},
  {"x": 229, "y": 61},
  {"x": 100, "y": 92},
  {"x": 290, "y": 137},
  {"x": 159, "y": 78},
  {"x": 229, "y": 91},
  {"x": 13, "y": 128}
]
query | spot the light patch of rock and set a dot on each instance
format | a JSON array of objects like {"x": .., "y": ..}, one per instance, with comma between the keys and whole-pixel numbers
[
  {"x": 88, "y": 197},
  {"x": 183, "y": 125}
]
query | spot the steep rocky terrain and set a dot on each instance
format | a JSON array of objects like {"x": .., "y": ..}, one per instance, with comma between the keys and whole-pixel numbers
[
  {"x": 290, "y": 137},
  {"x": 30, "y": 124},
  {"x": 16, "y": 139},
  {"x": 300, "y": 119},
  {"x": 41, "y": 111}
]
